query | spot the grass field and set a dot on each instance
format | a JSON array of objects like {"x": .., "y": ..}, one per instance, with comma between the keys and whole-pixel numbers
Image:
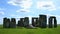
[{"x": 30, "y": 31}]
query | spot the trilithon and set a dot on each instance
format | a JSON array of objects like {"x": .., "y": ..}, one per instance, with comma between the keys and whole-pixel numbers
[
  {"x": 52, "y": 22},
  {"x": 26, "y": 21},
  {"x": 13, "y": 23},
  {"x": 21, "y": 22},
  {"x": 42, "y": 21},
  {"x": 35, "y": 22},
  {"x": 6, "y": 22}
]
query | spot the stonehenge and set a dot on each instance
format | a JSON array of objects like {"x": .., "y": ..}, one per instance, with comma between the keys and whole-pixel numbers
[{"x": 40, "y": 22}]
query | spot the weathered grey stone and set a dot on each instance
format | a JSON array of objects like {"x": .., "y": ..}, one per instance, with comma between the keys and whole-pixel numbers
[
  {"x": 35, "y": 21},
  {"x": 13, "y": 23},
  {"x": 42, "y": 21},
  {"x": 55, "y": 23},
  {"x": 21, "y": 22},
  {"x": 6, "y": 23},
  {"x": 26, "y": 21},
  {"x": 52, "y": 22},
  {"x": 18, "y": 23}
]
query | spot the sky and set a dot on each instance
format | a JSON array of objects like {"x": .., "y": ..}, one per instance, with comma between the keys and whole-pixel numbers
[{"x": 29, "y": 8}]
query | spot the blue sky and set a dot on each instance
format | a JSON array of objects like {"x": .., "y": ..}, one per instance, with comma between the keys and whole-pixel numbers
[{"x": 29, "y": 8}]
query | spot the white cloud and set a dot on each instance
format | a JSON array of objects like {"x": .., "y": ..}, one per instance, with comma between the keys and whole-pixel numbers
[
  {"x": 46, "y": 5},
  {"x": 25, "y": 4},
  {"x": 17, "y": 16},
  {"x": 2, "y": 13},
  {"x": 23, "y": 10},
  {"x": 12, "y": 3}
]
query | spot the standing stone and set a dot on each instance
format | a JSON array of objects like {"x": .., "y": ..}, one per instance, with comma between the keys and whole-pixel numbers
[
  {"x": 42, "y": 21},
  {"x": 35, "y": 22},
  {"x": 55, "y": 23},
  {"x": 52, "y": 22},
  {"x": 26, "y": 21},
  {"x": 13, "y": 23},
  {"x": 18, "y": 22},
  {"x": 21, "y": 22},
  {"x": 6, "y": 23}
]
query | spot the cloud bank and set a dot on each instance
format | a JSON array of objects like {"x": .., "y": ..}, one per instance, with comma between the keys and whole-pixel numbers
[
  {"x": 25, "y": 4},
  {"x": 46, "y": 5}
]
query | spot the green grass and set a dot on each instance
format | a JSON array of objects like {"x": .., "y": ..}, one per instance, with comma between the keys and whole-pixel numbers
[{"x": 30, "y": 31}]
